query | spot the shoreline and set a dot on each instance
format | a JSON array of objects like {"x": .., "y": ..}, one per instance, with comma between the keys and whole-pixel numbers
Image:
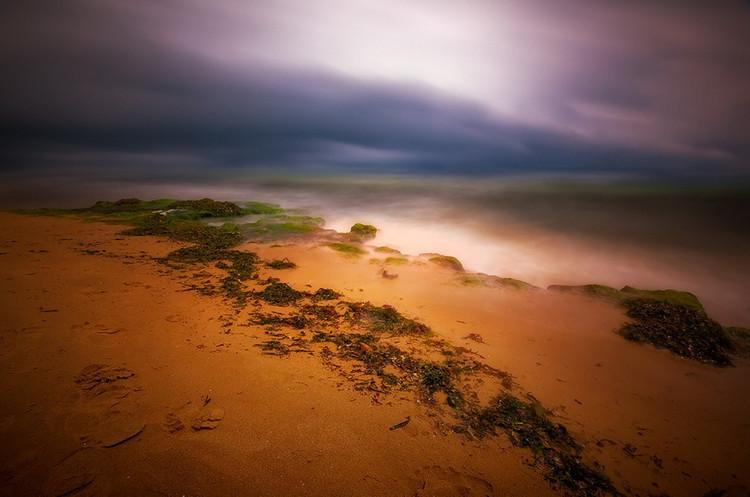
[{"x": 584, "y": 372}]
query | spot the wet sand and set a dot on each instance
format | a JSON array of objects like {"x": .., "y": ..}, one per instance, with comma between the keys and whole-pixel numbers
[{"x": 109, "y": 361}]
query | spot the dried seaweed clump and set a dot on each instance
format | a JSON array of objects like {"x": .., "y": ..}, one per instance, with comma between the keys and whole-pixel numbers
[
  {"x": 385, "y": 319},
  {"x": 528, "y": 425},
  {"x": 281, "y": 264},
  {"x": 683, "y": 330},
  {"x": 325, "y": 294},
  {"x": 278, "y": 293}
]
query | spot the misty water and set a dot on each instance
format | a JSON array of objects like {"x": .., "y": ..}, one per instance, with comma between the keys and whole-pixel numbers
[{"x": 538, "y": 230}]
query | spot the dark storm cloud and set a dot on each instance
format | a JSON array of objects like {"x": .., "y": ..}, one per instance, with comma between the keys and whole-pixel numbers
[{"x": 97, "y": 83}]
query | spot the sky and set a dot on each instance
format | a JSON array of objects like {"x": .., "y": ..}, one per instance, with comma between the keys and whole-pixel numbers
[{"x": 142, "y": 87}]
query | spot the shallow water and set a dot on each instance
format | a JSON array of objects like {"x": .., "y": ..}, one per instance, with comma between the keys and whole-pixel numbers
[{"x": 541, "y": 231}]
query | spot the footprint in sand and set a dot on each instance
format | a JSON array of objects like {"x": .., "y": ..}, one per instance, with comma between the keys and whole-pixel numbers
[
  {"x": 75, "y": 475},
  {"x": 437, "y": 481},
  {"x": 208, "y": 421},
  {"x": 101, "y": 378}
]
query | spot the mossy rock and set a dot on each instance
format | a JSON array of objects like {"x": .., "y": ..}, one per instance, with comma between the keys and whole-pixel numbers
[
  {"x": 387, "y": 250},
  {"x": 281, "y": 226},
  {"x": 628, "y": 292},
  {"x": 601, "y": 291},
  {"x": 346, "y": 248},
  {"x": 262, "y": 208},
  {"x": 363, "y": 230},
  {"x": 396, "y": 261},
  {"x": 512, "y": 283},
  {"x": 129, "y": 205},
  {"x": 672, "y": 296},
  {"x": 448, "y": 262},
  {"x": 207, "y": 207},
  {"x": 471, "y": 280}
]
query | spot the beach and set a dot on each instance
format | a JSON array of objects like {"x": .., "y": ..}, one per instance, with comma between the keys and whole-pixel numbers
[{"x": 123, "y": 375}]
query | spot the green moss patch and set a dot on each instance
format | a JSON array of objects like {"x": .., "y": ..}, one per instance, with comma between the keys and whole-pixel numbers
[
  {"x": 347, "y": 248},
  {"x": 447, "y": 261},
  {"x": 207, "y": 207},
  {"x": 396, "y": 261},
  {"x": 387, "y": 250},
  {"x": 601, "y": 291},
  {"x": 470, "y": 280},
  {"x": 262, "y": 208},
  {"x": 677, "y": 297},
  {"x": 280, "y": 226},
  {"x": 607, "y": 292},
  {"x": 364, "y": 231},
  {"x": 512, "y": 283}
]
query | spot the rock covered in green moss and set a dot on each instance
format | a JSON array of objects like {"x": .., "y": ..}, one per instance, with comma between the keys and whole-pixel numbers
[
  {"x": 447, "y": 261},
  {"x": 207, "y": 207},
  {"x": 346, "y": 248},
  {"x": 363, "y": 230},
  {"x": 627, "y": 292}
]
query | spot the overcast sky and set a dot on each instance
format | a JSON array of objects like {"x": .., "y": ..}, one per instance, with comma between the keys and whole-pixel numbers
[{"x": 470, "y": 86}]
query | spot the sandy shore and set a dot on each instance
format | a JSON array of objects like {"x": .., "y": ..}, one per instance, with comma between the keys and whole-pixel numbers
[{"x": 119, "y": 379}]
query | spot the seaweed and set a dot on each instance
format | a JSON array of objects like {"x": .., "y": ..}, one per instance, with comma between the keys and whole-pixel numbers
[
  {"x": 274, "y": 347},
  {"x": 683, "y": 330},
  {"x": 325, "y": 294},
  {"x": 297, "y": 321},
  {"x": 280, "y": 294},
  {"x": 528, "y": 425},
  {"x": 325, "y": 313},
  {"x": 385, "y": 319},
  {"x": 281, "y": 264}
]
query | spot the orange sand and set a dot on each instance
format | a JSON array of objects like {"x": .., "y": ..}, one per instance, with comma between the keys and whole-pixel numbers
[{"x": 290, "y": 426}]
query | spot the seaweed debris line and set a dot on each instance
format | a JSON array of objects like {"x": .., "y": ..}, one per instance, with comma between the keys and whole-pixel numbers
[{"x": 380, "y": 351}]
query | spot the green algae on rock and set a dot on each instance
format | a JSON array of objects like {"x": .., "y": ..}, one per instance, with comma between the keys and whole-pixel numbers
[
  {"x": 447, "y": 261},
  {"x": 363, "y": 231},
  {"x": 346, "y": 248}
]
